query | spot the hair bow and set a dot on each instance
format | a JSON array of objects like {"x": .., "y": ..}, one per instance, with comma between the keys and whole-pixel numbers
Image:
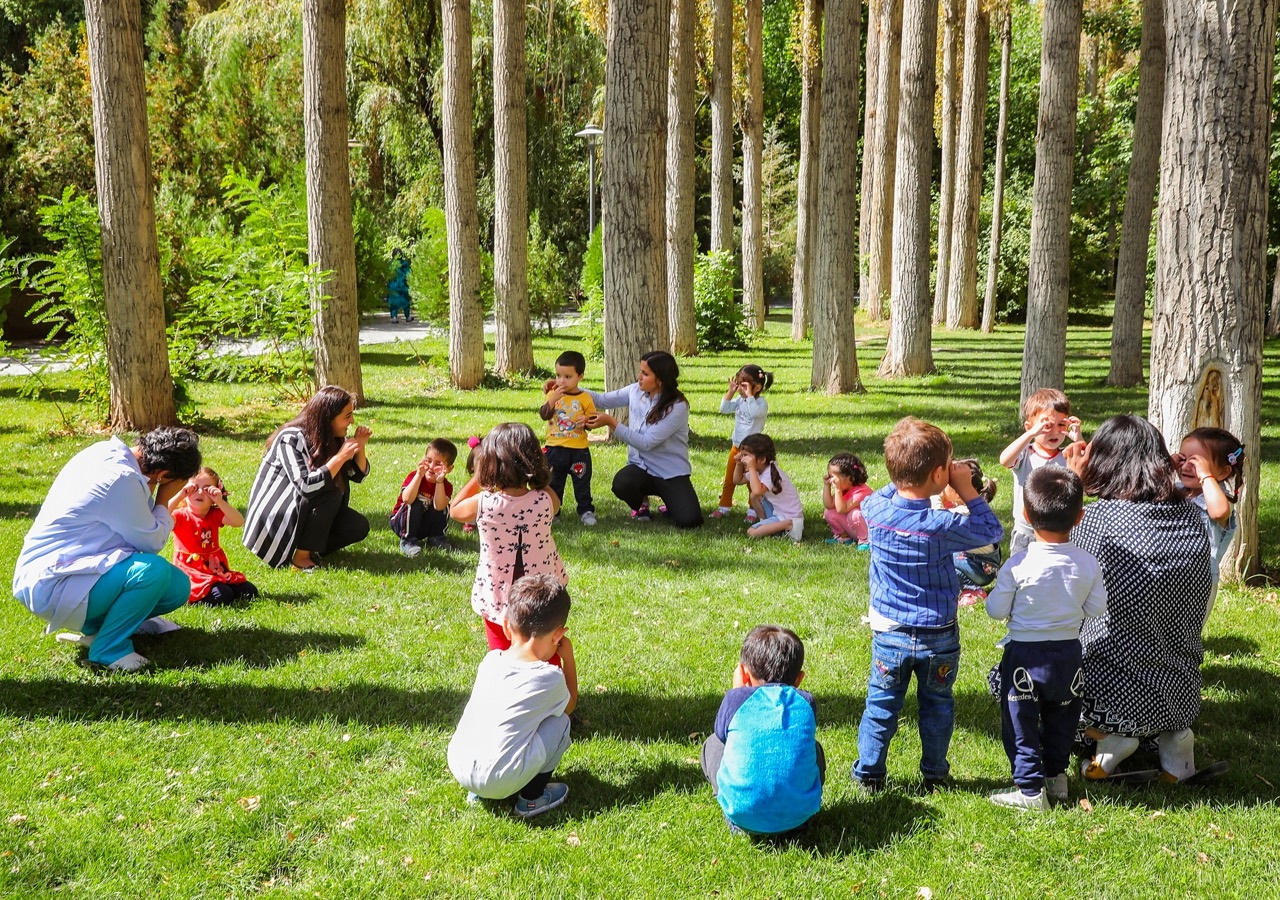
[{"x": 474, "y": 441}]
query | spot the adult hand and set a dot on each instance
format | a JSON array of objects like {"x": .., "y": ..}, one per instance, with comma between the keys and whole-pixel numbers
[
  {"x": 601, "y": 418},
  {"x": 1076, "y": 455},
  {"x": 363, "y": 433},
  {"x": 350, "y": 447}
]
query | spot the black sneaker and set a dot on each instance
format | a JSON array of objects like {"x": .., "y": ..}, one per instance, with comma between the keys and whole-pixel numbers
[
  {"x": 866, "y": 785},
  {"x": 439, "y": 542}
]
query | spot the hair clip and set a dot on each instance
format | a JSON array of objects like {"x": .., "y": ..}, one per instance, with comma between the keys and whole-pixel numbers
[
  {"x": 474, "y": 441},
  {"x": 1233, "y": 458}
]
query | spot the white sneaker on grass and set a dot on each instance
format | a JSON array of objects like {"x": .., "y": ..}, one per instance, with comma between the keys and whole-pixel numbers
[
  {"x": 80, "y": 640},
  {"x": 130, "y": 662},
  {"x": 1056, "y": 787},
  {"x": 1015, "y": 799},
  {"x": 588, "y": 518},
  {"x": 552, "y": 797}
]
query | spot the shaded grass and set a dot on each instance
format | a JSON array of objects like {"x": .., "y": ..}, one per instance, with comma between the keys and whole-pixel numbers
[{"x": 295, "y": 745}]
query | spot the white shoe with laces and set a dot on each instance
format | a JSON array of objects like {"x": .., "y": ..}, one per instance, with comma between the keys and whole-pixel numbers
[
  {"x": 1056, "y": 787},
  {"x": 588, "y": 518},
  {"x": 130, "y": 662},
  {"x": 1015, "y": 799}
]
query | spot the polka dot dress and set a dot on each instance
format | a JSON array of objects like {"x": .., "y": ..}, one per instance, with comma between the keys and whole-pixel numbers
[{"x": 1142, "y": 658}]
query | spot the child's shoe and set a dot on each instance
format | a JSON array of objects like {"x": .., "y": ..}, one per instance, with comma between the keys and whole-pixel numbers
[
  {"x": 552, "y": 797},
  {"x": 588, "y": 518},
  {"x": 410, "y": 548},
  {"x": 641, "y": 514},
  {"x": 1015, "y": 799},
  {"x": 1056, "y": 787},
  {"x": 972, "y": 596},
  {"x": 439, "y": 542},
  {"x": 662, "y": 509},
  {"x": 468, "y": 528},
  {"x": 864, "y": 546},
  {"x": 843, "y": 542},
  {"x": 721, "y": 512},
  {"x": 751, "y": 517}
]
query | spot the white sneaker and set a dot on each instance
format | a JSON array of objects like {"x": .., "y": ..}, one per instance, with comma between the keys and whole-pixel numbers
[
  {"x": 130, "y": 662},
  {"x": 1018, "y": 800},
  {"x": 1056, "y": 787},
  {"x": 588, "y": 518},
  {"x": 80, "y": 640}
]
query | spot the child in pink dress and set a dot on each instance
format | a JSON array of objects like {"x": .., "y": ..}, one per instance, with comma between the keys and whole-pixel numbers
[
  {"x": 199, "y": 510},
  {"x": 512, "y": 511},
  {"x": 843, "y": 491}
]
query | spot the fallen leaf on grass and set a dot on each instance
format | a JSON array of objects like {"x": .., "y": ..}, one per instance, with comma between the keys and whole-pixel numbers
[
  {"x": 573, "y": 840},
  {"x": 1085, "y": 804},
  {"x": 249, "y": 804},
  {"x": 924, "y": 893},
  {"x": 1202, "y": 858},
  {"x": 348, "y": 822},
  {"x": 1167, "y": 851},
  {"x": 17, "y": 819}
]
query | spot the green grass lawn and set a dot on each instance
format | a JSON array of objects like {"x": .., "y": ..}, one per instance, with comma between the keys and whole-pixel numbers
[{"x": 295, "y": 746}]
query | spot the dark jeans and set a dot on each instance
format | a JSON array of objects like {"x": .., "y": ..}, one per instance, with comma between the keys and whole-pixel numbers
[
  {"x": 1039, "y": 708},
  {"x": 976, "y": 570},
  {"x": 633, "y": 486},
  {"x": 329, "y": 524},
  {"x": 566, "y": 461},
  {"x": 419, "y": 520}
]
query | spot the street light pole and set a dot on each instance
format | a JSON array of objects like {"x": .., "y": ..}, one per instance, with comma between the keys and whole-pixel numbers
[{"x": 591, "y": 134}]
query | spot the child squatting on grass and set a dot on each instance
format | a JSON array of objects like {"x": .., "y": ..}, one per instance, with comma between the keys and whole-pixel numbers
[
  {"x": 1045, "y": 592},
  {"x": 199, "y": 511},
  {"x": 1048, "y": 422},
  {"x": 774, "y": 499},
  {"x": 914, "y": 594},
  {"x": 763, "y": 760},
  {"x": 515, "y": 728},
  {"x": 421, "y": 511}
]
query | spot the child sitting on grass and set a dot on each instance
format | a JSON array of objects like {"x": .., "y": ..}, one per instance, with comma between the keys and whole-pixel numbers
[
  {"x": 763, "y": 760},
  {"x": 421, "y": 513},
  {"x": 199, "y": 511},
  {"x": 515, "y": 728},
  {"x": 976, "y": 568},
  {"x": 843, "y": 491},
  {"x": 774, "y": 499}
]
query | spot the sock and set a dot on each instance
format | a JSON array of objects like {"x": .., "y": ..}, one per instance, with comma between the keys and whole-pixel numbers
[
  {"x": 1113, "y": 750},
  {"x": 1177, "y": 753}
]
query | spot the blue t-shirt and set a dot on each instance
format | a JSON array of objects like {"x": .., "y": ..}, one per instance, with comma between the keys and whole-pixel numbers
[{"x": 768, "y": 781}]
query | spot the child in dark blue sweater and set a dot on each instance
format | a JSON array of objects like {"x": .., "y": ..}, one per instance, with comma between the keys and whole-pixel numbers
[{"x": 764, "y": 761}]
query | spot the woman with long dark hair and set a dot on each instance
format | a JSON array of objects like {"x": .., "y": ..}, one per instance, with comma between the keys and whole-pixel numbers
[
  {"x": 657, "y": 439},
  {"x": 299, "y": 503},
  {"x": 1142, "y": 657}
]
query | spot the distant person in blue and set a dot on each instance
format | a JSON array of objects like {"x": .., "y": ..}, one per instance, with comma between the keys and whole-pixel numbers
[
  {"x": 398, "y": 287},
  {"x": 764, "y": 761}
]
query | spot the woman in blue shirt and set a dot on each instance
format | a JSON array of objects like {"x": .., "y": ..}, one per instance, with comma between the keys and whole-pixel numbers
[{"x": 657, "y": 439}]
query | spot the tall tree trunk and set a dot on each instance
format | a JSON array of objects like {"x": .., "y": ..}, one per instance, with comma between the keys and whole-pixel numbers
[
  {"x": 1211, "y": 242},
  {"x": 871, "y": 94},
  {"x": 885, "y": 156},
  {"x": 997, "y": 187},
  {"x": 950, "y": 124},
  {"x": 141, "y": 387},
  {"x": 962, "y": 292},
  {"x": 331, "y": 242},
  {"x": 910, "y": 333},
  {"x": 1139, "y": 201},
  {"x": 752, "y": 187},
  {"x": 722, "y": 126},
  {"x": 681, "y": 191},
  {"x": 835, "y": 269},
  {"x": 1049, "y": 278},
  {"x": 807, "y": 177},
  {"x": 635, "y": 136},
  {"x": 462, "y": 228},
  {"x": 1273, "y": 317},
  {"x": 513, "y": 346}
]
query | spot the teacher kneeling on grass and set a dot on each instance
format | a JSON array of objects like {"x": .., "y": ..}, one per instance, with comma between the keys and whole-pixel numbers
[
  {"x": 657, "y": 439},
  {"x": 89, "y": 562}
]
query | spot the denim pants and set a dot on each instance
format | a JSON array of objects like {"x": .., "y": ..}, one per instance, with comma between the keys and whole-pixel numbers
[{"x": 933, "y": 656}]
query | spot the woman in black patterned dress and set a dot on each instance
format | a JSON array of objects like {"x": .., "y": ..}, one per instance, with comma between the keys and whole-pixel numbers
[{"x": 1142, "y": 657}]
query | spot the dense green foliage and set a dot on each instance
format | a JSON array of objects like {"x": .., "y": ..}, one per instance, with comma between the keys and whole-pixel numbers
[{"x": 721, "y": 324}]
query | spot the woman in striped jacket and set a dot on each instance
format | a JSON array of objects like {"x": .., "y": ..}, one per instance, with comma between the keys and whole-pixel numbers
[{"x": 298, "y": 506}]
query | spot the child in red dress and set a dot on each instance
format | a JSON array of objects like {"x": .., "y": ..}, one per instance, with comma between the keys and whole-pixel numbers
[{"x": 199, "y": 510}]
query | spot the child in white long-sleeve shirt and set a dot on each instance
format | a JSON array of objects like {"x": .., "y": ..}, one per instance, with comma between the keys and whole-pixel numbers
[{"x": 743, "y": 399}]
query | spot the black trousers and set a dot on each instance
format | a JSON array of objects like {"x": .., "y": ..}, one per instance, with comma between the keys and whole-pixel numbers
[
  {"x": 567, "y": 461},
  {"x": 419, "y": 520},
  {"x": 1039, "y": 708},
  {"x": 633, "y": 486},
  {"x": 329, "y": 523}
]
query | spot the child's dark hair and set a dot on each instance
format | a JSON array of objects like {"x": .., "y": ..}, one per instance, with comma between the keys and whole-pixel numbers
[
  {"x": 665, "y": 368},
  {"x": 986, "y": 487},
  {"x": 572, "y": 358},
  {"x": 1226, "y": 450},
  {"x": 913, "y": 450},
  {"x": 757, "y": 376},
  {"x": 1043, "y": 401},
  {"x": 511, "y": 457},
  {"x": 446, "y": 450},
  {"x": 217, "y": 479},
  {"x": 772, "y": 654},
  {"x": 1128, "y": 460},
  {"x": 850, "y": 466},
  {"x": 761, "y": 447},
  {"x": 170, "y": 449},
  {"x": 1053, "y": 497},
  {"x": 316, "y": 422},
  {"x": 537, "y": 605}
]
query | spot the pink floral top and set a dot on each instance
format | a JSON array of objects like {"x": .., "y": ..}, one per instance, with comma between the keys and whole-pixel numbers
[{"x": 514, "y": 531}]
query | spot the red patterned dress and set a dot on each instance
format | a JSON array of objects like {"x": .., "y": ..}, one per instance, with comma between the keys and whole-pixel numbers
[{"x": 197, "y": 552}]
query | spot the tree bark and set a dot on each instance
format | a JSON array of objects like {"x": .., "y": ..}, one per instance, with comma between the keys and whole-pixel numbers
[
  {"x": 635, "y": 135},
  {"x": 681, "y": 190},
  {"x": 466, "y": 315},
  {"x": 962, "y": 292},
  {"x": 1139, "y": 202},
  {"x": 141, "y": 386},
  {"x": 807, "y": 177},
  {"x": 835, "y": 272},
  {"x": 997, "y": 187},
  {"x": 950, "y": 124},
  {"x": 722, "y": 126},
  {"x": 910, "y": 332},
  {"x": 1273, "y": 317},
  {"x": 752, "y": 187},
  {"x": 513, "y": 346},
  {"x": 885, "y": 157},
  {"x": 1049, "y": 277},
  {"x": 1211, "y": 241},
  {"x": 331, "y": 243},
  {"x": 869, "y": 129}
]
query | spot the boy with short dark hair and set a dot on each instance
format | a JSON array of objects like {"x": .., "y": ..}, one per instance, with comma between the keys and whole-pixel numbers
[
  {"x": 1047, "y": 424},
  {"x": 566, "y": 409},
  {"x": 515, "y": 728},
  {"x": 1046, "y": 591},
  {"x": 914, "y": 596},
  {"x": 421, "y": 513},
  {"x": 763, "y": 760}
]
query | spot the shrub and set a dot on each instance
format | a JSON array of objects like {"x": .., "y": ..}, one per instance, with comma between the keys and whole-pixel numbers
[
  {"x": 721, "y": 324},
  {"x": 547, "y": 289}
]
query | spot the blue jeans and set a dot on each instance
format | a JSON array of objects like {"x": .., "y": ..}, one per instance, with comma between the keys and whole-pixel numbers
[
  {"x": 976, "y": 569},
  {"x": 934, "y": 658},
  {"x": 126, "y": 595}
]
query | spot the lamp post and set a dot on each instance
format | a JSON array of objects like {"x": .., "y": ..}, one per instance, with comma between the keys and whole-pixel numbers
[{"x": 591, "y": 134}]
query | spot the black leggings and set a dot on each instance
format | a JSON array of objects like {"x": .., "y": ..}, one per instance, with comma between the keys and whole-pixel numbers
[
  {"x": 633, "y": 486},
  {"x": 328, "y": 523},
  {"x": 227, "y": 593}
]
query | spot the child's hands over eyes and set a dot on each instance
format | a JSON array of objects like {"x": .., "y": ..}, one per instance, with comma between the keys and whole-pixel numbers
[{"x": 1073, "y": 428}]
